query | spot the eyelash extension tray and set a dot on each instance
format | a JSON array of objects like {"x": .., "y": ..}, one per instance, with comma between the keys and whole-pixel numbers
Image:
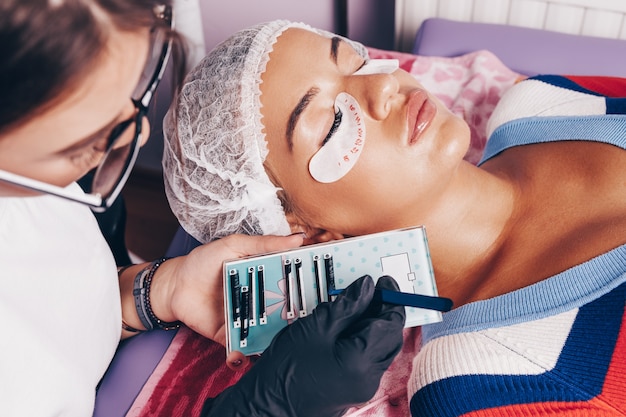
[{"x": 264, "y": 293}]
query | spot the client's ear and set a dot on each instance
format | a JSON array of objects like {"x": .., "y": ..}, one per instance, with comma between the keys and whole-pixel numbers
[
  {"x": 322, "y": 236},
  {"x": 313, "y": 234}
]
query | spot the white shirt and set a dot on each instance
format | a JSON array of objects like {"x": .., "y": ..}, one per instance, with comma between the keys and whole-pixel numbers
[{"x": 60, "y": 312}]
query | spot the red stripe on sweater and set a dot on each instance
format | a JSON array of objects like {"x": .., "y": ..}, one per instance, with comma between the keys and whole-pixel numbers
[
  {"x": 607, "y": 86},
  {"x": 614, "y": 389}
]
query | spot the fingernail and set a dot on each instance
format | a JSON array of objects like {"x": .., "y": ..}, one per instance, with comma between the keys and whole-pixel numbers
[
  {"x": 236, "y": 362},
  {"x": 304, "y": 236}
]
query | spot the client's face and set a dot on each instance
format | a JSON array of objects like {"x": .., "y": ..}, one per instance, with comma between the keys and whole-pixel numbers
[{"x": 355, "y": 153}]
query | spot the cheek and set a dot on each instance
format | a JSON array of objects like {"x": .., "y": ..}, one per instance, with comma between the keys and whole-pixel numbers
[
  {"x": 37, "y": 163},
  {"x": 60, "y": 172},
  {"x": 368, "y": 187},
  {"x": 377, "y": 181},
  {"x": 66, "y": 171}
]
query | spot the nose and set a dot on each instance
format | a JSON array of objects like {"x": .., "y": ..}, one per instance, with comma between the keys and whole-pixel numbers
[{"x": 374, "y": 93}]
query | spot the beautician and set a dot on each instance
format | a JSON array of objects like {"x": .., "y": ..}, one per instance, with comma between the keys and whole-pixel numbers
[{"x": 76, "y": 85}]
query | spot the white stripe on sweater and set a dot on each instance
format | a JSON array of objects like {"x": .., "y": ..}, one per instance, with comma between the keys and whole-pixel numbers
[
  {"x": 529, "y": 348},
  {"x": 536, "y": 98}
]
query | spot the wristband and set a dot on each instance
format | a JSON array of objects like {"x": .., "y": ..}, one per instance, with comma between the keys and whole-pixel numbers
[{"x": 125, "y": 325}]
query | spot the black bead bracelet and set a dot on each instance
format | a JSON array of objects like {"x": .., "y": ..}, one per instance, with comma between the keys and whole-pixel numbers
[{"x": 141, "y": 293}]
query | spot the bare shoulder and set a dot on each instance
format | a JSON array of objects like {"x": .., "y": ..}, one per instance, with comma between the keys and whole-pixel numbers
[
  {"x": 578, "y": 195},
  {"x": 588, "y": 166},
  {"x": 573, "y": 208}
]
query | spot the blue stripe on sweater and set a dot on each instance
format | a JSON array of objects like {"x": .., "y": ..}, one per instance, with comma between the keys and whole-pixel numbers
[
  {"x": 600, "y": 128},
  {"x": 615, "y": 105}
]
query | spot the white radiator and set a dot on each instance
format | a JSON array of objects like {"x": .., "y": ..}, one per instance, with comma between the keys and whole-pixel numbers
[{"x": 603, "y": 18}]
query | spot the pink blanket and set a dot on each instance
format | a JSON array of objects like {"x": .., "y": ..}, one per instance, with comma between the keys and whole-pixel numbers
[{"x": 193, "y": 368}]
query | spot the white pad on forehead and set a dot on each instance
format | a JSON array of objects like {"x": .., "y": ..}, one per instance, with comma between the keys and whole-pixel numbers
[{"x": 379, "y": 66}]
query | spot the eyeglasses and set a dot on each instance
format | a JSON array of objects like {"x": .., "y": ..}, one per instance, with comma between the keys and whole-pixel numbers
[{"x": 124, "y": 140}]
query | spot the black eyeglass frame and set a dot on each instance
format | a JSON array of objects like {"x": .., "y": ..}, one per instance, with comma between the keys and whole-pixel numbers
[{"x": 97, "y": 202}]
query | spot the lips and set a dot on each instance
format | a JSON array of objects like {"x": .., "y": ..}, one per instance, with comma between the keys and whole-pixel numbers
[{"x": 420, "y": 113}]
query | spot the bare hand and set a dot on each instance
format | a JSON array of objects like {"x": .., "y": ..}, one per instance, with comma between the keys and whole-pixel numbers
[{"x": 195, "y": 281}]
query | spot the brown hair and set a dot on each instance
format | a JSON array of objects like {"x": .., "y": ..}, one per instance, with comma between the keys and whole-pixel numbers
[{"x": 47, "y": 45}]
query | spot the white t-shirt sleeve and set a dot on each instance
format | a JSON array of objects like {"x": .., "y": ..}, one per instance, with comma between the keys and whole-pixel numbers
[{"x": 59, "y": 305}]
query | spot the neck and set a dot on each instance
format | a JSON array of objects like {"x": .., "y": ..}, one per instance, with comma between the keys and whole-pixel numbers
[{"x": 477, "y": 209}]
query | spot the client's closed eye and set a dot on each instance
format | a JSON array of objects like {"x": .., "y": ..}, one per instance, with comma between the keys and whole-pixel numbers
[
  {"x": 336, "y": 123},
  {"x": 365, "y": 62}
]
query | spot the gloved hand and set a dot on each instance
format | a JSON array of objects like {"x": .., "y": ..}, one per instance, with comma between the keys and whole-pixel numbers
[{"x": 322, "y": 364}]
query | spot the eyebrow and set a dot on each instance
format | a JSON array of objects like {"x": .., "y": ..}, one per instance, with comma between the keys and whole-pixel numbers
[
  {"x": 297, "y": 111},
  {"x": 334, "y": 47},
  {"x": 308, "y": 96}
]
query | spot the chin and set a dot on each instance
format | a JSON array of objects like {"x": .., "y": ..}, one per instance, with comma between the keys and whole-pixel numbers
[{"x": 457, "y": 139}]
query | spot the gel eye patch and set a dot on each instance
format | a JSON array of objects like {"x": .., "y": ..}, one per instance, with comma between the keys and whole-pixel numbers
[{"x": 337, "y": 156}]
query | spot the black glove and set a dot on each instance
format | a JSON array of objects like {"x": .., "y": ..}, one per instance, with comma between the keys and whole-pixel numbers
[{"x": 322, "y": 364}]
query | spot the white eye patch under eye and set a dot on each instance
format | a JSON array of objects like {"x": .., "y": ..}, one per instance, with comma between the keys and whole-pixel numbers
[
  {"x": 338, "y": 156},
  {"x": 379, "y": 66}
]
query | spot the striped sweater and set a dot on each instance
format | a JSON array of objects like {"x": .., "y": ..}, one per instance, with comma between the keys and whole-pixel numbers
[{"x": 557, "y": 347}]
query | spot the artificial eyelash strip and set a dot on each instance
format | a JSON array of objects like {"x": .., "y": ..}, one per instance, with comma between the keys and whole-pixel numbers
[
  {"x": 235, "y": 290},
  {"x": 245, "y": 312},
  {"x": 253, "y": 289},
  {"x": 288, "y": 289},
  {"x": 261, "y": 294},
  {"x": 299, "y": 280},
  {"x": 318, "y": 279},
  {"x": 330, "y": 274}
]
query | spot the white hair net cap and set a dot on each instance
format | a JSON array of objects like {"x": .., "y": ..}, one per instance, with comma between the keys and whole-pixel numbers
[{"x": 215, "y": 147}]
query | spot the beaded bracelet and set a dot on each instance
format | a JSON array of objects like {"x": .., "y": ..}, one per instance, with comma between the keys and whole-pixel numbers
[{"x": 141, "y": 293}]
